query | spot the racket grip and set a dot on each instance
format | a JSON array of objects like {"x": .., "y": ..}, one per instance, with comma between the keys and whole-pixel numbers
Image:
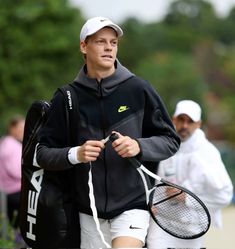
[
  {"x": 113, "y": 137},
  {"x": 133, "y": 160}
]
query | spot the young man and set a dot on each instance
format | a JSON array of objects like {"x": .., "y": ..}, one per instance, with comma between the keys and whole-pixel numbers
[
  {"x": 198, "y": 167},
  {"x": 109, "y": 98}
]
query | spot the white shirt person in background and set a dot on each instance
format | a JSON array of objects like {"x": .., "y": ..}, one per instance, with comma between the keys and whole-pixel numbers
[{"x": 198, "y": 167}]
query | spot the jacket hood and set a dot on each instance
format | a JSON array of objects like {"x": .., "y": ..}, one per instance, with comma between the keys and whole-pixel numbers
[{"x": 109, "y": 83}]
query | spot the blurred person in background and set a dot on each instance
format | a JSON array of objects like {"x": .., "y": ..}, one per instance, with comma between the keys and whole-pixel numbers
[
  {"x": 10, "y": 166},
  {"x": 196, "y": 166}
]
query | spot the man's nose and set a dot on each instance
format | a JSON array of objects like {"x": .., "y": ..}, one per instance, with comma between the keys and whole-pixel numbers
[
  {"x": 185, "y": 124},
  {"x": 108, "y": 45}
]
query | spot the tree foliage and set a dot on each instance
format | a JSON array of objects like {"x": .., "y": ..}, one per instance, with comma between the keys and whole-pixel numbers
[
  {"x": 174, "y": 76},
  {"x": 39, "y": 50},
  {"x": 189, "y": 54}
]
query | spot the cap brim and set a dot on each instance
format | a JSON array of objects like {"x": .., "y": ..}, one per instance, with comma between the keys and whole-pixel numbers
[
  {"x": 195, "y": 119},
  {"x": 115, "y": 27}
]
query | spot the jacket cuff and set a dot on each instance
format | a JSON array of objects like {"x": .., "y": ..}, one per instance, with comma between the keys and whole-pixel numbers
[{"x": 72, "y": 155}]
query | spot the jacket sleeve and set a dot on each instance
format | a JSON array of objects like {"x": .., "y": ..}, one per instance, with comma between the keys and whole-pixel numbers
[
  {"x": 52, "y": 158},
  {"x": 52, "y": 150},
  {"x": 210, "y": 180},
  {"x": 159, "y": 140}
]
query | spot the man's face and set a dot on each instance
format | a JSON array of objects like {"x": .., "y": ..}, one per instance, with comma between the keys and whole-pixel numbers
[
  {"x": 185, "y": 126},
  {"x": 100, "y": 49}
]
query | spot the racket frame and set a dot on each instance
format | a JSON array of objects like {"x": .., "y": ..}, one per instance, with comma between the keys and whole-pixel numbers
[{"x": 149, "y": 192}]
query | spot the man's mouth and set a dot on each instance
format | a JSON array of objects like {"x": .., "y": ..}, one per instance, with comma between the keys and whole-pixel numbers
[{"x": 107, "y": 56}]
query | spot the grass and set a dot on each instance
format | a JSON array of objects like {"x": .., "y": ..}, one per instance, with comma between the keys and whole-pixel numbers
[
  {"x": 7, "y": 234},
  {"x": 6, "y": 237}
]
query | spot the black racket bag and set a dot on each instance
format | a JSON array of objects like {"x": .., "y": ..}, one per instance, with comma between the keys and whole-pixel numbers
[{"x": 48, "y": 216}]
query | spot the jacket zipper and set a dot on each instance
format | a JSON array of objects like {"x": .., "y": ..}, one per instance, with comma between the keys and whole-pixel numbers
[{"x": 103, "y": 126}]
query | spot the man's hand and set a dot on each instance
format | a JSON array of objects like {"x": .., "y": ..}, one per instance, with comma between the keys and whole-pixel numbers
[
  {"x": 89, "y": 151},
  {"x": 126, "y": 146},
  {"x": 179, "y": 196}
]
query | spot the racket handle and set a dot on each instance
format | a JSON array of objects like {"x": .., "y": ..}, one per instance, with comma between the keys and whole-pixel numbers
[
  {"x": 113, "y": 137},
  {"x": 133, "y": 160}
]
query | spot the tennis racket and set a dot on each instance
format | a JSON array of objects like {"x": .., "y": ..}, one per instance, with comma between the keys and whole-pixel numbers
[{"x": 174, "y": 208}]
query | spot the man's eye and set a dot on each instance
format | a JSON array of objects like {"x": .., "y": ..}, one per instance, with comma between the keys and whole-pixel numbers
[
  {"x": 100, "y": 42},
  {"x": 114, "y": 43}
]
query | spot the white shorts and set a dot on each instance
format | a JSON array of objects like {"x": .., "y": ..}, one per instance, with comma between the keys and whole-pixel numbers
[{"x": 132, "y": 223}]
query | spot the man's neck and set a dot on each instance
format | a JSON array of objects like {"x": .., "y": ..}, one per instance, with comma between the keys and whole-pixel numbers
[{"x": 99, "y": 74}]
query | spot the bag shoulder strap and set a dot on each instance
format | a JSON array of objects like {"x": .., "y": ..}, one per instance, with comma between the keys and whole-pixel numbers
[{"x": 69, "y": 98}]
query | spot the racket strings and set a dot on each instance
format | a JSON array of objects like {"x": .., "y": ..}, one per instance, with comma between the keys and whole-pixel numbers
[
  {"x": 170, "y": 194},
  {"x": 178, "y": 212}
]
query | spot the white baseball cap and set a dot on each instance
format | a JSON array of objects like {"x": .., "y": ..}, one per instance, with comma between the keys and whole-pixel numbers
[
  {"x": 94, "y": 24},
  {"x": 190, "y": 108}
]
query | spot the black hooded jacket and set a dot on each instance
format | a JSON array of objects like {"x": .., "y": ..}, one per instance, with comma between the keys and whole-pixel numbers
[{"x": 121, "y": 102}]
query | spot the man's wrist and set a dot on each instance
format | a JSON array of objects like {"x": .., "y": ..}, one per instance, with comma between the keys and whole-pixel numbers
[{"x": 72, "y": 155}]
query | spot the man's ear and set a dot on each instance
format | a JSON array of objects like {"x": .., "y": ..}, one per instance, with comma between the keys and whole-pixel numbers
[
  {"x": 83, "y": 47},
  {"x": 173, "y": 120}
]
